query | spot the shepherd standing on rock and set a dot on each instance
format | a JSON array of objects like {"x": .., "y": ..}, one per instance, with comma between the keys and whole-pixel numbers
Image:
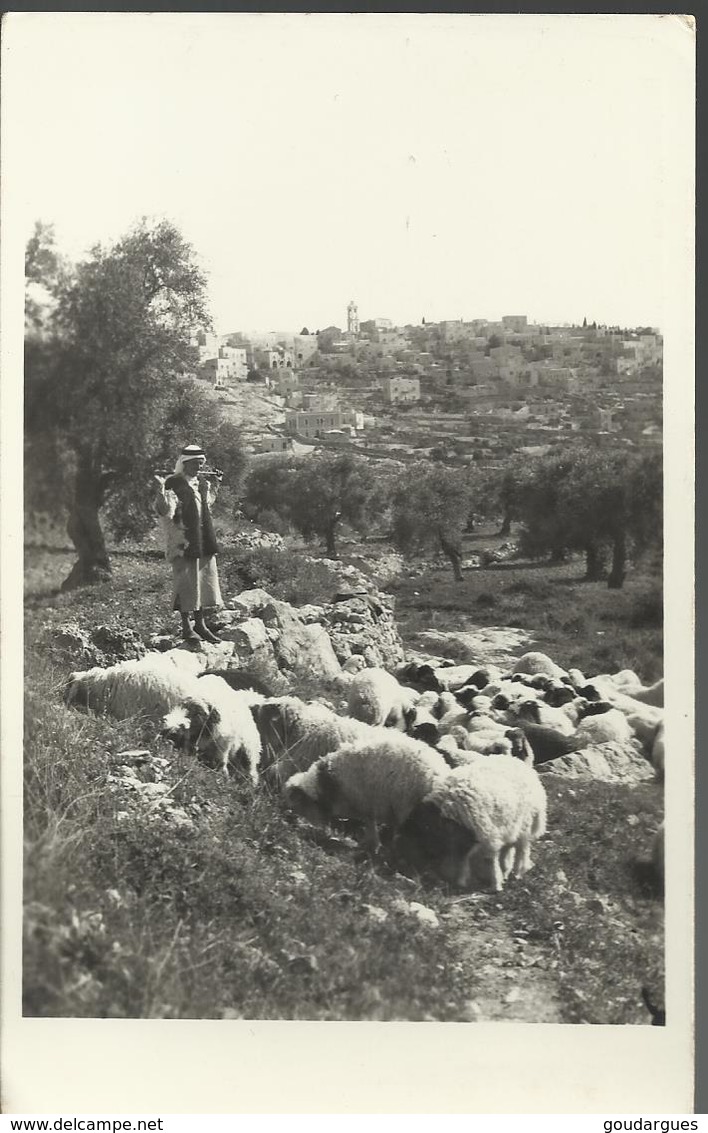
[{"x": 183, "y": 502}]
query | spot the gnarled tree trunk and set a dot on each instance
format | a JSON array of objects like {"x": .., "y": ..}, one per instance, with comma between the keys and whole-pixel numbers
[
  {"x": 594, "y": 563},
  {"x": 84, "y": 527}
]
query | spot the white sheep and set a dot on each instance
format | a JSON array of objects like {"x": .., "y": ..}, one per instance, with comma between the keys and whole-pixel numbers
[
  {"x": 421, "y": 724},
  {"x": 378, "y": 781},
  {"x": 626, "y": 701},
  {"x": 486, "y": 811},
  {"x": 295, "y": 734},
  {"x": 375, "y": 697},
  {"x": 649, "y": 694},
  {"x": 603, "y": 728},
  {"x": 218, "y": 726},
  {"x": 148, "y": 687},
  {"x": 455, "y": 677},
  {"x": 541, "y": 713},
  {"x": 538, "y": 664}
]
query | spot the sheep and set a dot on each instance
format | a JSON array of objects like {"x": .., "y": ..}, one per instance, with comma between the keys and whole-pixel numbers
[
  {"x": 625, "y": 702},
  {"x": 559, "y": 695},
  {"x": 608, "y": 726},
  {"x": 422, "y": 725},
  {"x": 626, "y": 681},
  {"x": 187, "y": 660},
  {"x": 375, "y": 697},
  {"x": 456, "y": 677},
  {"x": 218, "y": 726},
  {"x": 471, "y": 698},
  {"x": 649, "y": 694},
  {"x": 148, "y": 687},
  {"x": 546, "y": 743},
  {"x": 453, "y": 755},
  {"x": 379, "y": 780},
  {"x": 488, "y": 810},
  {"x": 431, "y": 702},
  {"x": 540, "y": 713},
  {"x": 421, "y": 676},
  {"x": 533, "y": 664},
  {"x": 295, "y": 734}
]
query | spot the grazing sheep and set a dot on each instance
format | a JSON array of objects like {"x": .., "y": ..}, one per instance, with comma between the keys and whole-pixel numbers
[
  {"x": 148, "y": 687},
  {"x": 489, "y": 811},
  {"x": 418, "y": 675},
  {"x": 295, "y": 734},
  {"x": 625, "y": 702},
  {"x": 538, "y": 712},
  {"x": 471, "y": 698},
  {"x": 576, "y": 678},
  {"x": 375, "y": 697},
  {"x": 628, "y": 683},
  {"x": 649, "y": 694},
  {"x": 456, "y": 677},
  {"x": 422, "y": 725},
  {"x": 449, "y": 749},
  {"x": 559, "y": 695},
  {"x": 378, "y": 781},
  {"x": 602, "y": 729},
  {"x": 546, "y": 743},
  {"x": 533, "y": 664},
  {"x": 431, "y": 702},
  {"x": 218, "y": 726}
]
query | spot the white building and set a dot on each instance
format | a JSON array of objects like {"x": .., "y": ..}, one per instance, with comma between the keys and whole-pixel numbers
[{"x": 396, "y": 390}]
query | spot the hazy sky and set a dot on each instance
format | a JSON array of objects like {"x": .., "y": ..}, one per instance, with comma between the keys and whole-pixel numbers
[{"x": 424, "y": 165}]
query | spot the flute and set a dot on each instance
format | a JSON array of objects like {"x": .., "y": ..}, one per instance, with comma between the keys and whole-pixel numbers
[{"x": 205, "y": 473}]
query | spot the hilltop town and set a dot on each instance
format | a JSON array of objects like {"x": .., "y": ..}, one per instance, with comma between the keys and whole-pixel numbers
[{"x": 454, "y": 390}]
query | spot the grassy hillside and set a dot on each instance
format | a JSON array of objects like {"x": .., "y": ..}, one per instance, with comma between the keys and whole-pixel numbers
[{"x": 155, "y": 889}]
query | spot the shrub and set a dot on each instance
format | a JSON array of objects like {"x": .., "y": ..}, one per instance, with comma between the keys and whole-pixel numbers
[{"x": 286, "y": 576}]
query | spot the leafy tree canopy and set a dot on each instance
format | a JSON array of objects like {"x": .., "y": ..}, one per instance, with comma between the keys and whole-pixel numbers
[{"x": 108, "y": 392}]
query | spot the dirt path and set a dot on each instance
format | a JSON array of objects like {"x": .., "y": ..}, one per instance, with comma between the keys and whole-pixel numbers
[{"x": 517, "y": 980}]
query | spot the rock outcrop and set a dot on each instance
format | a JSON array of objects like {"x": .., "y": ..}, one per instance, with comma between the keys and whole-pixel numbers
[{"x": 610, "y": 763}]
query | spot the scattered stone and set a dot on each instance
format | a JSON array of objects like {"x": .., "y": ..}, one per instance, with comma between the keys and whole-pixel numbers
[
  {"x": 375, "y": 913},
  {"x": 615, "y": 762},
  {"x": 421, "y": 912}
]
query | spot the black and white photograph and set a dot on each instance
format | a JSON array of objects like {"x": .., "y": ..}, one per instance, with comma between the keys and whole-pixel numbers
[{"x": 347, "y": 493}]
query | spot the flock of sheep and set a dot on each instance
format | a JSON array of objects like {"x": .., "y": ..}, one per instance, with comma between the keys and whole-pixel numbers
[{"x": 441, "y": 754}]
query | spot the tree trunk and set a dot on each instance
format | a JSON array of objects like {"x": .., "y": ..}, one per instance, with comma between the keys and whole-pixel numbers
[
  {"x": 557, "y": 556},
  {"x": 454, "y": 554},
  {"x": 594, "y": 563},
  {"x": 615, "y": 579},
  {"x": 84, "y": 528},
  {"x": 505, "y": 528}
]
